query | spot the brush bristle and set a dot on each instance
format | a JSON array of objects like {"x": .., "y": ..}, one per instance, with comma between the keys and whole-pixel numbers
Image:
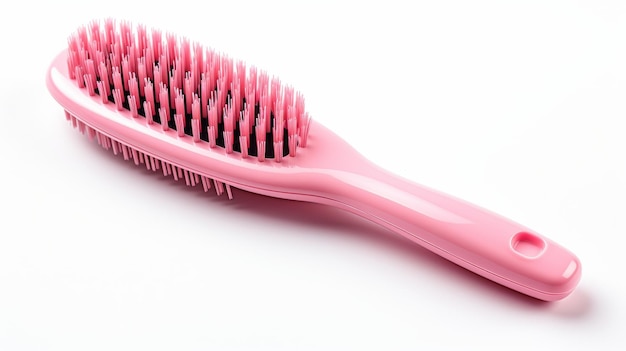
[
  {"x": 194, "y": 90},
  {"x": 129, "y": 153}
]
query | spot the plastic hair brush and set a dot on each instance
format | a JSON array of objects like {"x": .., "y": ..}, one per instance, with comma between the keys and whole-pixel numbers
[{"x": 174, "y": 106}]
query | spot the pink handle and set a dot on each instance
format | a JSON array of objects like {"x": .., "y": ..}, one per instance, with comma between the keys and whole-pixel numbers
[{"x": 479, "y": 240}]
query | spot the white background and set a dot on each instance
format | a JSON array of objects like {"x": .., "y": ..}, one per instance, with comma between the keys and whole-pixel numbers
[{"x": 516, "y": 106}]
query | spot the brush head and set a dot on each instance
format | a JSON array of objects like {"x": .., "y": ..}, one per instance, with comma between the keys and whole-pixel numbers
[
  {"x": 183, "y": 86},
  {"x": 198, "y": 116}
]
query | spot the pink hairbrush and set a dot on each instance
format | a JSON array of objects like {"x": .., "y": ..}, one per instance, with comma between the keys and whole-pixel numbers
[{"x": 188, "y": 112}]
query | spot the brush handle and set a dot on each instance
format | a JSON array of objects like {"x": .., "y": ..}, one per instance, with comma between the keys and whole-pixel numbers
[{"x": 477, "y": 239}]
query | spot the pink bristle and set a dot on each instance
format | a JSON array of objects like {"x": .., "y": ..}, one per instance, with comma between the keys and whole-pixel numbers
[
  {"x": 132, "y": 56},
  {"x": 118, "y": 99},
  {"x": 146, "y": 161},
  {"x": 102, "y": 93},
  {"x": 251, "y": 83},
  {"x": 198, "y": 62},
  {"x": 142, "y": 39},
  {"x": 116, "y": 55},
  {"x": 157, "y": 83},
  {"x": 165, "y": 103},
  {"x": 82, "y": 36},
  {"x": 179, "y": 74},
  {"x": 91, "y": 71},
  {"x": 195, "y": 127},
  {"x": 192, "y": 179},
  {"x": 156, "y": 42},
  {"x": 195, "y": 118},
  {"x": 135, "y": 156},
  {"x": 225, "y": 70},
  {"x": 172, "y": 87},
  {"x": 186, "y": 176},
  {"x": 248, "y": 110},
  {"x": 204, "y": 95},
  {"x": 301, "y": 117},
  {"x": 260, "y": 132},
  {"x": 172, "y": 45},
  {"x": 244, "y": 130},
  {"x": 99, "y": 60},
  {"x": 244, "y": 145},
  {"x": 132, "y": 102},
  {"x": 229, "y": 127},
  {"x": 124, "y": 35},
  {"x": 117, "y": 79},
  {"x": 82, "y": 54},
  {"x": 109, "y": 26},
  {"x": 149, "y": 61},
  {"x": 235, "y": 93},
  {"x": 72, "y": 56},
  {"x": 279, "y": 122},
  {"x": 180, "y": 124},
  {"x": 229, "y": 191},
  {"x": 175, "y": 173},
  {"x": 287, "y": 97},
  {"x": 104, "y": 40},
  {"x": 141, "y": 75},
  {"x": 89, "y": 84},
  {"x": 248, "y": 116},
  {"x": 73, "y": 120},
  {"x": 221, "y": 97},
  {"x": 117, "y": 61},
  {"x": 94, "y": 29},
  {"x": 91, "y": 133},
  {"x": 274, "y": 93},
  {"x": 148, "y": 112},
  {"x": 185, "y": 54},
  {"x": 213, "y": 67},
  {"x": 125, "y": 153},
  {"x": 104, "y": 77},
  {"x": 188, "y": 86},
  {"x": 241, "y": 71},
  {"x": 133, "y": 86},
  {"x": 206, "y": 184},
  {"x": 213, "y": 123},
  {"x": 149, "y": 93},
  {"x": 91, "y": 50},
  {"x": 155, "y": 163},
  {"x": 115, "y": 148},
  {"x": 278, "y": 136},
  {"x": 71, "y": 64},
  {"x": 292, "y": 125},
  {"x": 125, "y": 71},
  {"x": 81, "y": 127},
  {"x": 164, "y": 167},
  {"x": 163, "y": 116},
  {"x": 304, "y": 130},
  {"x": 164, "y": 63},
  {"x": 219, "y": 187},
  {"x": 179, "y": 102}
]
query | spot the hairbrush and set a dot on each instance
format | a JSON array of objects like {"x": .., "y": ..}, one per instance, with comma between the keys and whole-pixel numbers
[{"x": 174, "y": 106}]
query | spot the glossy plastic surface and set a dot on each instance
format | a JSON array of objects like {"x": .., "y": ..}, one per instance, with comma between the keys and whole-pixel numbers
[{"x": 331, "y": 172}]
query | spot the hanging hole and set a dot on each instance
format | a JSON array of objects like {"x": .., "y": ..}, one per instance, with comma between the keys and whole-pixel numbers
[{"x": 528, "y": 245}]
